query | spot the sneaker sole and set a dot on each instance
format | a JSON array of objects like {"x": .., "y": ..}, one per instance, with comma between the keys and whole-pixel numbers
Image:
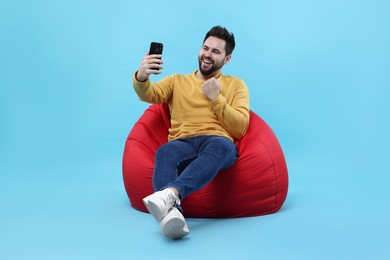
[
  {"x": 154, "y": 210},
  {"x": 173, "y": 228}
]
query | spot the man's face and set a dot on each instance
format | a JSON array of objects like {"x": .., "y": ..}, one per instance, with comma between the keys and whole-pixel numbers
[{"x": 212, "y": 56}]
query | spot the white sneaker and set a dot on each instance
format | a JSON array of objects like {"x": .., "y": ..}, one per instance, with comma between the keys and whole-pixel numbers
[
  {"x": 174, "y": 225},
  {"x": 160, "y": 202}
]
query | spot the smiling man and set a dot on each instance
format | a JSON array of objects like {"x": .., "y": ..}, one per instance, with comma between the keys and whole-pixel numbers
[{"x": 209, "y": 111}]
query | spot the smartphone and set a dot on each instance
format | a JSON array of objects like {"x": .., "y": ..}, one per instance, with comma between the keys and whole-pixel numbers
[{"x": 156, "y": 48}]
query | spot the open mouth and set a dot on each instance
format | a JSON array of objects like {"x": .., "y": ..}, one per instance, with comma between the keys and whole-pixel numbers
[{"x": 207, "y": 62}]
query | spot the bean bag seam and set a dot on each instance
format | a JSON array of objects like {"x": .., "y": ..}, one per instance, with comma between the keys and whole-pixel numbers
[
  {"x": 275, "y": 174},
  {"x": 142, "y": 143}
]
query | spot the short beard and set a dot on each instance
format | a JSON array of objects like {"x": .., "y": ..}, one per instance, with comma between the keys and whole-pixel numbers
[{"x": 216, "y": 66}]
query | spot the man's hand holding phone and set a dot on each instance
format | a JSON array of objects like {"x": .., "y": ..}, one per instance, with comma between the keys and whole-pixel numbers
[{"x": 151, "y": 63}]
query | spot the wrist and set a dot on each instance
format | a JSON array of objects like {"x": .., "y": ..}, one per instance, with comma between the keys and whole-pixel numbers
[
  {"x": 213, "y": 98},
  {"x": 140, "y": 79}
]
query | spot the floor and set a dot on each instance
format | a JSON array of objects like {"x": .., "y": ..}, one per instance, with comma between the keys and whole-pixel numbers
[{"x": 85, "y": 214}]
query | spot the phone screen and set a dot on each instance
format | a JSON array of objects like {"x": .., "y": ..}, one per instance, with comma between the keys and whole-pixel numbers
[{"x": 156, "y": 48}]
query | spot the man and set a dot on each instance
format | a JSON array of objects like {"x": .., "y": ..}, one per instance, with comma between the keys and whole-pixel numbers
[{"x": 209, "y": 111}]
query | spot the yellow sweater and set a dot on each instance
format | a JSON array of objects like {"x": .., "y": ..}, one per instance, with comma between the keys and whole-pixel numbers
[{"x": 192, "y": 114}]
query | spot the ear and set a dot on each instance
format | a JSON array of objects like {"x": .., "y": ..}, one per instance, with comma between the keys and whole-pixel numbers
[{"x": 227, "y": 59}]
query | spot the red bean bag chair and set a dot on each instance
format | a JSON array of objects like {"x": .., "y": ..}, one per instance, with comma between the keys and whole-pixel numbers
[{"x": 256, "y": 185}]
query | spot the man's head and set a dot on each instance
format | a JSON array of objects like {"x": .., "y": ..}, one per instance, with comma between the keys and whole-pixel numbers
[
  {"x": 216, "y": 51},
  {"x": 223, "y": 34}
]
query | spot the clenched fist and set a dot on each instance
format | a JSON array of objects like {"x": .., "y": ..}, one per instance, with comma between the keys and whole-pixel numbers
[{"x": 211, "y": 89}]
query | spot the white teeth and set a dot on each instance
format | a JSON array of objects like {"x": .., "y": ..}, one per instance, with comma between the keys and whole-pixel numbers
[{"x": 207, "y": 61}]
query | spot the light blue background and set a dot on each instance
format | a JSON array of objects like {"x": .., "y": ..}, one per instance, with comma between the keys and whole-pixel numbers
[{"x": 318, "y": 72}]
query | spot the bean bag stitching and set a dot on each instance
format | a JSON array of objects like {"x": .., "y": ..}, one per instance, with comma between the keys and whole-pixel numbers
[
  {"x": 275, "y": 174},
  {"x": 143, "y": 145}
]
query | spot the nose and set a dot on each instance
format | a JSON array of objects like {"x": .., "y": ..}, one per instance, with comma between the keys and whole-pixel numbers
[{"x": 207, "y": 53}]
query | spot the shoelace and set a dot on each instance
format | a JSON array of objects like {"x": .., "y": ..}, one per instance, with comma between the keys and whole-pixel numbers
[{"x": 173, "y": 200}]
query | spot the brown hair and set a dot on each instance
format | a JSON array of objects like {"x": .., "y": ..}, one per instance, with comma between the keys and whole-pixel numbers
[{"x": 223, "y": 34}]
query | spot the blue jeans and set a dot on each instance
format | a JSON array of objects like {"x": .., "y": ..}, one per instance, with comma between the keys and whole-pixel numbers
[{"x": 189, "y": 164}]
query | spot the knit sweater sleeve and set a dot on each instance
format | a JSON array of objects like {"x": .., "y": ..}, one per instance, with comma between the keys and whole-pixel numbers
[
  {"x": 156, "y": 93},
  {"x": 234, "y": 117}
]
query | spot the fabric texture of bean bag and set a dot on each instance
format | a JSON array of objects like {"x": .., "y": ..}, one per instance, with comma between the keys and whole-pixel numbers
[{"x": 256, "y": 185}]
